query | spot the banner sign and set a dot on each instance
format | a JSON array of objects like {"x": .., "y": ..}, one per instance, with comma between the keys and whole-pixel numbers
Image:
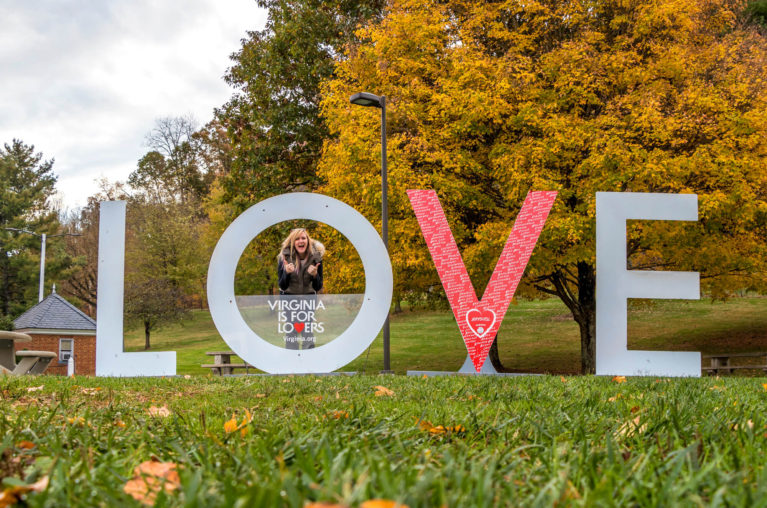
[{"x": 479, "y": 320}]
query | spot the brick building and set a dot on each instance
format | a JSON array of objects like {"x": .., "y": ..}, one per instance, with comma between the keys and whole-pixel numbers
[{"x": 58, "y": 326}]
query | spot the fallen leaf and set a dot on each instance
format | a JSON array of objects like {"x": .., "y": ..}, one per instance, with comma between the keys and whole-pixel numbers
[
  {"x": 162, "y": 412},
  {"x": 187, "y": 376},
  {"x": 440, "y": 429},
  {"x": 77, "y": 420},
  {"x": 151, "y": 477},
  {"x": 619, "y": 379},
  {"x": 231, "y": 425},
  {"x": 120, "y": 423},
  {"x": 382, "y": 503},
  {"x": 562, "y": 378},
  {"x": 40, "y": 485},
  {"x": 25, "y": 445},
  {"x": 12, "y": 495},
  {"x": 337, "y": 415},
  {"x": 631, "y": 427},
  {"x": 382, "y": 391},
  {"x": 423, "y": 424},
  {"x": 34, "y": 388}
]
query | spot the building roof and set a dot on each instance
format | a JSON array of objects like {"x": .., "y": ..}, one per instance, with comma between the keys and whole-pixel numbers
[{"x": 54, "y": 312}]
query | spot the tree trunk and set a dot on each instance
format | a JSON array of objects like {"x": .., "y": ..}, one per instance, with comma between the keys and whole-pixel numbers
[
  {"x": 494, "y": 358},
  {"x": 578, "y": 292},
  {"x": 586, "y": 317},
  {"x": 397, "y": 306},
  {"x": 146, "y": 335}
]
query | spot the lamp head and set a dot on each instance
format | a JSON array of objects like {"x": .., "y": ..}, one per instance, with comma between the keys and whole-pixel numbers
[{"x": 366, "y": 99}]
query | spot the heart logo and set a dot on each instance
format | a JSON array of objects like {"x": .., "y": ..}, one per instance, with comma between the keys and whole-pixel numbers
[
  {"x": 480, "y": 321},
  {"x": 299, "y": 327}
]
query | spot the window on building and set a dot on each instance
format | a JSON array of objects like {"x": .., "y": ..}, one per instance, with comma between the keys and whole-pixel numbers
[{"x": 66, "y": 349}]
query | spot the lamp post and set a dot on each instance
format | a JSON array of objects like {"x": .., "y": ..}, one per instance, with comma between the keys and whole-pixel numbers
[
  {"x": 374, "y": 101},
  {"x": 43, "y": 238}
]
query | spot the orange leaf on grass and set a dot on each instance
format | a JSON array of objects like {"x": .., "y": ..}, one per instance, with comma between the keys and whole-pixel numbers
[
  {"x": 25, "y": 445},
  {"x": 231, "y": 425},
  {"x": 162, "y": 412},
  {"x": 12, "y": 495},
  {"x": 440, "y": 429},
  {"x": 382, "y": 503},
  {"x": 337, "y": 415},
  {"x": 619, "y": 379},
  {"x": 151, "y": 477},
  {"x": 77, "y": 420},
  {"x": 383, "y": 391}
]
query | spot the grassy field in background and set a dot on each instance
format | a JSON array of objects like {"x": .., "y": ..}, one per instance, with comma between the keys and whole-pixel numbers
[
  {"x": 457, "y": 441},
  {"x": 536, "y": 336}
]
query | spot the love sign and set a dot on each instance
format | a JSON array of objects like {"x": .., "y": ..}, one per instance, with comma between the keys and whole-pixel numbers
[{"x": 478, "y": 319}]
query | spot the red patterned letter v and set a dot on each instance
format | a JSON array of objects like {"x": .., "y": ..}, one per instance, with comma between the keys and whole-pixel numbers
[{"x": 479, "y": 320}]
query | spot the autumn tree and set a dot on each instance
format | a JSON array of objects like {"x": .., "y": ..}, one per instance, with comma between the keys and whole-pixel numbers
[
  {"x": 490, "y": 100},
  {"x": 273, "y": 117}
]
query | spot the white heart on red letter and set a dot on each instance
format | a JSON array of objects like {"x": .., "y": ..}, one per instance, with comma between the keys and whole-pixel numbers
[{"x": 480, "y": 321}]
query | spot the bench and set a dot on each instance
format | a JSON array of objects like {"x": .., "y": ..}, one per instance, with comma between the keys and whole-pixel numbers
[
  {"x": 226, "y": 368},
  {"x": 222, "y": 363},
  {"x": 32, "y": 362},
  {"x": 720, "y": 362}
]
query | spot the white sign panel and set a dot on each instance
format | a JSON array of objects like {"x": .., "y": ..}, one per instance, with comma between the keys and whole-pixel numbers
[{"x": 616, "y": 284}]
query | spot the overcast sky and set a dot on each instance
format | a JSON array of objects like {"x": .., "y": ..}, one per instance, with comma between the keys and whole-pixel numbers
[{"x": 84, "y": 80}]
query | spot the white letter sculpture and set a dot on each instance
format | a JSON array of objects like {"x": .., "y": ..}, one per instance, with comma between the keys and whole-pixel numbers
[
  {"x": 354, "y": 340},
  {"x": 615, "y": 284},
  {"x": 110, "y": 358}
]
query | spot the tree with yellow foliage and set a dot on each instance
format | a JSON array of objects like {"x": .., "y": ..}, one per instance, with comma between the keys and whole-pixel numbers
[{"x": 489, "y": 100}]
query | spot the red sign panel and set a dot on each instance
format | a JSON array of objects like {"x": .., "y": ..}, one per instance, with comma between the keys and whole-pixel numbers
[{"x": 479, "y": 320}]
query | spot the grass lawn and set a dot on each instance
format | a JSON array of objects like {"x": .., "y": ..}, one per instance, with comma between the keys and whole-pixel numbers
[
  {"x": 536, "y": 336},
  {"x": 458, "y": 441}
]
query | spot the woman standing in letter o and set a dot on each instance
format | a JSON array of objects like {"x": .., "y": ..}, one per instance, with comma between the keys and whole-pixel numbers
[{"x": 299, "y": 272}]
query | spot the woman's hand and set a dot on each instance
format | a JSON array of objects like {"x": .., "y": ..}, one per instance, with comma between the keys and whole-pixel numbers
[
  {"x": 290, "y": 268},
  {"x": 312, "y": 270}
]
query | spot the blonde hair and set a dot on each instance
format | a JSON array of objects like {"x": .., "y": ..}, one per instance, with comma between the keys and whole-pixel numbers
[{"x": 290, "y": 243}]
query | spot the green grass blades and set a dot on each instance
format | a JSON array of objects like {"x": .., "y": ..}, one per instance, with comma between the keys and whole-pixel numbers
[{"x": 453, "y": 441}]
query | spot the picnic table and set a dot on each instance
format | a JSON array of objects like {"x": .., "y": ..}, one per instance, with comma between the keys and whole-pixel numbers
[
  {"x": 222, "y": 363},
  {"x": 32, "y": 362},
  {"x": 720, "y": 362}
]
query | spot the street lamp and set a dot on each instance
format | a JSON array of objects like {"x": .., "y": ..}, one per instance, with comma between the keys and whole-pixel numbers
[
  {"x": 43, "y": 237},
  {"x": 374, "y": 101}
]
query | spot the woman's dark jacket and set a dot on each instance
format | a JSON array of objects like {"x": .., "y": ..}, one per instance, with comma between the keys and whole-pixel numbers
[{"x": 299, "y": 282}]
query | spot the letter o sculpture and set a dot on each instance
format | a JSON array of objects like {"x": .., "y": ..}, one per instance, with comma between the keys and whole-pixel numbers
[{"x": 246, "y": 343}]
